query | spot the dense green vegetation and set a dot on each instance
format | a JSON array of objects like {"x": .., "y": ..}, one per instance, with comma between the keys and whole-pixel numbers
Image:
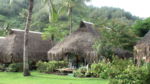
[
  {"x": 116, "y": 35},
  {"x": 117, "y": 29},
  {"x": 2, "y": 32},
  {"x": 118, "y": 71},
  {"x": 40, "y": 78},
  {"x": 141, "y": 27},
  {"x": 51, "y": 66},
  {"x": 15, "y": 14}
]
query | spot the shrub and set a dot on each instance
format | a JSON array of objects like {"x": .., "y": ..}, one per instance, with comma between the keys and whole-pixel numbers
[
  {"x": 15, "y": 67},
  {"x": 99, "y": 68},
  {"x": 18, "y": 67},
  {"x": 121, "y": 64},
  {"x": 104, "y": 70},
  {"x": 41, "y": 66},
  {"x": 131, "y": 75},
  {"x": 77, "y": 73},
  {"x": 118, "y": 71},
  {"x": 83, "y": 72},
  {"x": 89, "y": 73},
  {"x": 2, "y": 67},
  {"x": 80, "y": 72},
  {"x": 107, "y": 70},
  {"x": 51, "y": 66}
]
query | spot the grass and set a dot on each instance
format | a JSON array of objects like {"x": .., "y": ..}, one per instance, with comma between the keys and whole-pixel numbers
[{"x": 41, "y": 78}]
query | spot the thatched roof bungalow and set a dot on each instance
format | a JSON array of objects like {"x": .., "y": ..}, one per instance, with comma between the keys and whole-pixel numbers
[
  {"x": 12, "y": 47},
  {"x": 2, "y": 41},
  {"x": 78, "y": 44},
  {"x": 142, "y": 49}
]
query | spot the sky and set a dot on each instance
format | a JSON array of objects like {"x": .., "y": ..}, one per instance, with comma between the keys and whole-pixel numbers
[{"x": 139, "y": 8}]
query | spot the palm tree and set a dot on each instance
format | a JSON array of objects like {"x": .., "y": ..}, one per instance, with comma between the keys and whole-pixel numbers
[
  {"x": 52, "y": 17},
  {"x": 26, "y": 71},
  {"x": 53, "y": 13},
  {"x": 70, "y": 5}
]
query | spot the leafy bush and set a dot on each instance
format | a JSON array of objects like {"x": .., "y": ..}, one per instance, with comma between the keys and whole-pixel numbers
[
  {"x": 104, "y": 70},
  {"x": 90, "y": 73},
  {"x": 18, "y": 67},
  {"x": 15, "y": 67},
  {"x": 51, "y": 66},
  {"x": 77, "y": 73},
  {"x": 100, "y": 67},
  {"x": 118, "y": 66},
  {"x": 84, "y": 72},
  {"x": 121, "y": 71},
  {"x": 2, "y": 32},
  {"x": 2, "y": 67},
  {"x": 119, "y": 35},
  {"x": 132, "y": 75},
  {"x": 141, "y": 27},
  {"x": 80, "y": 72},
  {"x": 42, "y": 66},
  {"x": 107, "y": 70}
]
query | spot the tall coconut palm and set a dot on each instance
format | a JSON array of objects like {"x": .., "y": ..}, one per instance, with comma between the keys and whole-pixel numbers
[
  {"x": 70, "y": 5},
  {"x": 53, "y": 13},
  {"x": 26, "y": 71}
]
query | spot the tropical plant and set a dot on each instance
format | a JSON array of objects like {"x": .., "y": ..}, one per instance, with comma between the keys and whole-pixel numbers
[
  {"x": 115, "y": 34},
  {"x": 51, "y": 66},
  {"x": 141, "y": 27}
]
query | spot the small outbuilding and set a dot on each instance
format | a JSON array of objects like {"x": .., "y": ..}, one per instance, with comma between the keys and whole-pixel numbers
[
  {"x": 11, "y": 47},
  {"x": 142, "y": 49},
  {"x": 77, "y": 48}
]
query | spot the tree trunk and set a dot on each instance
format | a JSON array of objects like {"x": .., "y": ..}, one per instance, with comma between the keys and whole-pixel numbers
[
  {"x": 70, "y": 17},
  {"x": 26, "y": 71}
]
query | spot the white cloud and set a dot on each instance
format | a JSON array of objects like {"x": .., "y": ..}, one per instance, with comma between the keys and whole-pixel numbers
[{"x": 136, "y": 7}]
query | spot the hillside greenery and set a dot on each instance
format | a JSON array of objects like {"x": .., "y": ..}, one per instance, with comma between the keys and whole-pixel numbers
[
  {"x": 15, "y": 14},
  {"x": 118, "y": 29}
]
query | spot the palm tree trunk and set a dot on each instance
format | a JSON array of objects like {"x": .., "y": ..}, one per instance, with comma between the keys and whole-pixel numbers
[
  {"x": 49, "y": 10},
  {"x": 26, "y": 71},
  {"x": 70, "y": 16}
]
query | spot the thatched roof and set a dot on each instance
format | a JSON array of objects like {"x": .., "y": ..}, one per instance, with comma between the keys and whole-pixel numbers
[
  {"x": 79, "y": 42},
  {"x": 142, "y": 48},
  {"x": 2, "y": 40},
  {"x": 13, "y": 47}
]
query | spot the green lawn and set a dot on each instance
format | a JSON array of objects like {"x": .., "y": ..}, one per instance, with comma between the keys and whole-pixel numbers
[{"x": 40, "y": 78}]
